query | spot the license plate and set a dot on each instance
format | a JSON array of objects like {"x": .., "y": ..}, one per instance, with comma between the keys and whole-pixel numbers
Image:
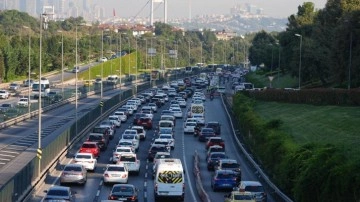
[{"x": 122, "y": 199}]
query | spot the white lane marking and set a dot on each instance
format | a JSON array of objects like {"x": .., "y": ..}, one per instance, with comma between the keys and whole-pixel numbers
[
  {"x": 145, "y": 184},
  {"x": 187, "y": 172},
  {"x": 146, "y": 167},
  {"x": 101, "y": 182},
  {"x": 145, "y": 194},
  {"x": 98, "y": 193},
  {"x": 146, "y": 175}
]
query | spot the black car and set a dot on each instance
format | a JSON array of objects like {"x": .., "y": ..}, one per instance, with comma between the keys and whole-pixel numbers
[
  {"x": 156, "y": 148},
  {"x": 124, "y": 192},
  {"x": 205, "y": 134},
  {"x": 214, "y": 158},
  {"x": 101, "y": 139},
  {"x": 216, "y": 126},
  {"x": 53, "y": 97}
]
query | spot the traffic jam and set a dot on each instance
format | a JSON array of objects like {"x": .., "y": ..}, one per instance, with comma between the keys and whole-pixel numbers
[{"x": 153, "y": 114}]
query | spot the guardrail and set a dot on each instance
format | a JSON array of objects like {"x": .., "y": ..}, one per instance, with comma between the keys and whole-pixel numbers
[
  {"x": 250, "y": 159},
  {"x": 199, "y": 186}
]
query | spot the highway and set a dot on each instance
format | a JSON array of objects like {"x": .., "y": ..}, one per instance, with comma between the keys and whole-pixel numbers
[{"x": 185, "y": 146}]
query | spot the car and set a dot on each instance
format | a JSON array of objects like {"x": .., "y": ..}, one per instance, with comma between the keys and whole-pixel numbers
[
  {"x": 98, "y": 81},
  {"x": 237, "y": 196},
  {"x": 205, "y": 134},
  {"x": 177, "y": 112},
  {"x": 5, "y": 107},
  {"x": 53, "y": 97},
  {"x": 224, "y": 179},
  {"x": 116, "y": 173},
  {"x": 122, "y": 116},
  {"x": 200, "y": 118},
  {"x": 170, "y": 139},
  {"x": 142, "y": 98},
  {"x": 59, "y": 193},
  {"x": 134, "y": 138},
  {"x": 90, "y": 147},
  {"x": 125, "y": 110},
  {"x": 115, "y": 120},
  {"x": 131, "y": 162},
  {"x": 75, "y": 70},
  {"x": 182, "y": 103},
  {"x": 126, "y": 143},
  {"x": 14, "y": 87},
  {"x": 87, "y": 160},
  {"x": 73, "y": 173},
  {"x": 110, "y": 126},
  {"x": 102, "y": 130},
  {"x": 214, "y": 125},
  {"x": 229, "y": 164},
  {"x": 146, "y": 122},
  {"x": 153, "y": 106},
  {"x": 255, "y": 188},
  {"x": 124, "y": 192},
  {"x": 214, "y": 158},
  {"x": 23, "y": 102},
  {"x": 28, "y": 83},
  {"x": 4, "y": 94},
  {"x": 101, "y": 139},
  {"x": 148, "y": 111},
  {"x": 166, "y": 131},
  {"x": 121, "y": 150},
  {"x": 167, "y": 112},
  {"x": 168, "y": 118},
  {"x": 141, "y": 131},
  {"x": 154, "y": 148},
  {"x": 161, "y": 155},
  {"x": 137, "y": 117},
  {"x": 215, "y": 148},
  {"x": 189, "y": 127},
  {"x": 215, "y": 141},
  {"x": 103, "y": 59}
]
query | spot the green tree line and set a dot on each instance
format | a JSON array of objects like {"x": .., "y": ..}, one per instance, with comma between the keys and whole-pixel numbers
[{"x": 329, "y": 40}]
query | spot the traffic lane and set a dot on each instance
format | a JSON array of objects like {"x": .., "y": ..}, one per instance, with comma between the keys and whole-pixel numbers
[
  {"x": 186, "y": 159},
  {"x": 214, "y": 114}
]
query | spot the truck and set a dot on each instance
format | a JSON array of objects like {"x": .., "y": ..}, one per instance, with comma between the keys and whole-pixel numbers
[{"x": 169, "y": 179}]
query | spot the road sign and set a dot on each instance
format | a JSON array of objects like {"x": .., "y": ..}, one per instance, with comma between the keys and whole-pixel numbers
[
  {"x": 101, "y": 103},
  {"x": 39, "y": 153}
]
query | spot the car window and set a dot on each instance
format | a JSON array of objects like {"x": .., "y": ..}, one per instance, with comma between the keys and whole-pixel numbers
[
  {"x": 116, "y": 168},
  {"x": 95, "y": 137},
  {"x": 128, "y": 158},
  {"x": 254, "y": 188},
  {"x": 88, "y": 146},
  {"x": 230, "y": 165},
  {"x": 57, "y": 192},
  {"x": 79, "y": 156},
  {"x": 72, "y": 168}
]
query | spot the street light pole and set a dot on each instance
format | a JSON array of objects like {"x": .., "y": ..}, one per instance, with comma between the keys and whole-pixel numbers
[
  {"x": 136, "y": 64},
  {"x": 189, "y": 52},
  {"x": 76, "y": 80},
  {"x": 29, "y": 73},
  {"x": 350, "y": 60},
  {"x": 102, "y": 65},
  {"x": 212, "y": 53},
  {"x": 299, "y": 35}
]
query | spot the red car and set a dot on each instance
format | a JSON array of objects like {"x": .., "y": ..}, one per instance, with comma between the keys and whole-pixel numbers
[
  {"x": 215, "y": 141},
  {"x": 90, "y": 147},
  {"x": 146, "y": 122}
]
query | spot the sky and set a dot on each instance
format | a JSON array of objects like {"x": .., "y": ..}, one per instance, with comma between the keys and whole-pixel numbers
[{"x": 180, "y": 8}]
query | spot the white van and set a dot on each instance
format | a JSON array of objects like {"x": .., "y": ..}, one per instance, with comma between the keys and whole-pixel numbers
[{"x": 169, "y": 179}]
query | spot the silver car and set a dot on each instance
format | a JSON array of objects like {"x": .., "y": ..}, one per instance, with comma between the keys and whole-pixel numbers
[
  {"x": 59, "y": 193},
  {"x": 73, "y": 173}
]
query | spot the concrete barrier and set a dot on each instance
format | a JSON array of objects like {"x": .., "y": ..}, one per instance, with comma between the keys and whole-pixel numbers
[{"x": 199, "y": 186}]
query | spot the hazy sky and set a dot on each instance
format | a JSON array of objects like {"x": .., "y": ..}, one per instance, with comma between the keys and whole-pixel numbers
[{"x": 180, "y": 8}]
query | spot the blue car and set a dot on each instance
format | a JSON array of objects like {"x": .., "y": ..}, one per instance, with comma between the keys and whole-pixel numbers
[{"x": 224, "y": 179}]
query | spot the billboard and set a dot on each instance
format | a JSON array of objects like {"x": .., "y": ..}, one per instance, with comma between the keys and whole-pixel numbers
[
  {"x": 173, "y": 54},
  {"x": 151, "y": 52},
  {"x": 155, "y": 75}
]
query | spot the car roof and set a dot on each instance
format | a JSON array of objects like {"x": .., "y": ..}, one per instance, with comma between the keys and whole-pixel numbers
[{"x": 251, "y": 183}]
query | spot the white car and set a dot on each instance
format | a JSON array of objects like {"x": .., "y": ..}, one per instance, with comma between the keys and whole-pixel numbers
[
  {"x": 199, "y": 118},
  {"x": 122, "y": 116},
  {"x": 189, "y": 127},
  {"x": 103, "y": 59},
  {"x": 126, "y": 143},
  {"x": 170, "y": 139},
  {"x": 129, "y": 108},
  {"x": 177, "y": 112},
  {"x": 87, "y": 160},
  {"x": 4, "y": 94},
  {"x": 182, "y": 103},
  {"x": 165, "y": 86},
  {"x": 131, "y": 162},
  {"x": 141, "y": 131},
  {"x": 174, "y": 106},
  {"x": 117, "y": 173},
  {"x": 133, "y": 136},
  {"x": 116, "y": 120},
  {"x": 23, "y": 102},
  {"x": 121, "y": 150},
  {"x": 153, "y": 106}
]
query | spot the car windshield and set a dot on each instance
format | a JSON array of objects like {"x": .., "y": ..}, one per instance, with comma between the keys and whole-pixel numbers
[
  {"x": 216, "y": 156},
  {"x": 230, "y": 165},
  {"x": 72, "y": 168},
  {"x": 158, "y": 148},
  {"x": 122, "y": 190},
  {"x": 225, "y": 175},
  {"x": 130, "y": 132},
  {"x": 81, "y": 156},
  {"x": 116, "y": 168},
  {"x": 128, "y": 158},
  {"x": 207, "y": 130},
  {"x": 254, "y": 188},
  {"x": 128, "y": 137},
  {"x": 243, "y": 197},
  {"x": 88, "y": 146},
  {"x": 95, "y": 137},
  {"x": 125, "y": 143},
  {"x": 57, "y": 192},
  {"x": 165, "y": 131}
]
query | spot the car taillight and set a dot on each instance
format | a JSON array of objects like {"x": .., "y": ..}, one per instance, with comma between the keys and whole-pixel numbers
[
  {"x": 124, "y": 176},
  {"x": 106, "y": 175},
  {"x": 133, "y": 198},
  {"x": 112, "y": 198},
  {"x": 91, "y": 161},
  {"x": 156, "y": 187}
]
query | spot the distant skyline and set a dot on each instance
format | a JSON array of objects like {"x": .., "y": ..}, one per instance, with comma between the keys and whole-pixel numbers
[{"x": 180, "y": 8}]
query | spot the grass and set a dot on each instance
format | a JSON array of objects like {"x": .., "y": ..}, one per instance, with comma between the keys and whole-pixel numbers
[
  {"x": 319, "y": 124},
  {"x": 111, "y": 67},
  {"x": 260, "y": 80}
]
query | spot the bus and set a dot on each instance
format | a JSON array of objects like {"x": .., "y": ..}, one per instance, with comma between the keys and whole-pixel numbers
[
  {"x": 188, "y": 70},
  {"x": 41, "y": 88}
]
